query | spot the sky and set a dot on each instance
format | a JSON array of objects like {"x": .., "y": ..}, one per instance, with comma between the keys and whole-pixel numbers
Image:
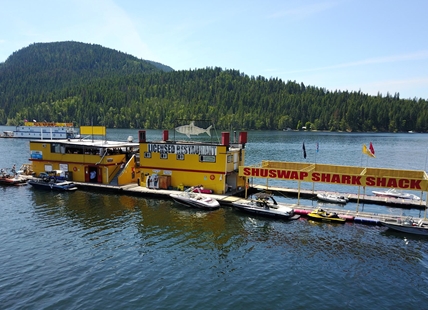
[{"x": 372, "y": 46}]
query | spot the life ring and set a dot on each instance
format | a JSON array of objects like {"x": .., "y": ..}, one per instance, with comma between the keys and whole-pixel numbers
[
  {"x": 212, "y": 177},
  {"x": 74, "y": 169}
]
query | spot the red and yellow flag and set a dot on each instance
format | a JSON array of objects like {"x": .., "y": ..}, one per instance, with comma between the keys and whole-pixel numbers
[{"x": 367, "y": 151}]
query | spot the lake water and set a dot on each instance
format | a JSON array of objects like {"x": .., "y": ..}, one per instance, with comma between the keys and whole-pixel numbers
[{"x": 85, "y": 250}]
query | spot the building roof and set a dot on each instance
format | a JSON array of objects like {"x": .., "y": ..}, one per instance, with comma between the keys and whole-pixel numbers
[{"x": 91, "y": 143}]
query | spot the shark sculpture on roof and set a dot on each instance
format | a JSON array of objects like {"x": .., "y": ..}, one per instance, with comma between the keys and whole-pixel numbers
[{"x": 192, "y": 129}]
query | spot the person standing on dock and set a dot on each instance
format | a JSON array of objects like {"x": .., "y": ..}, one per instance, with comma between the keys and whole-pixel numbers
[{"x": 13, "y": 169}]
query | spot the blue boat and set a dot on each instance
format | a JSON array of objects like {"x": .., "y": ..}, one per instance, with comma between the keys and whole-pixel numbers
[{"x": 58, "y": 186}]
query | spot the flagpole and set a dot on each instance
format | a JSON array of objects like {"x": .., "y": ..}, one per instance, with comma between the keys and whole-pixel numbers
[
  {"x": 304, "y": 150},
  {"x": 316, "y": 152},
  {"x": 425, "y": 213},
  {"x": 358, "y": 199},
  {"x": 318, "y": 147},
  {"x": 426, "y": 158}
]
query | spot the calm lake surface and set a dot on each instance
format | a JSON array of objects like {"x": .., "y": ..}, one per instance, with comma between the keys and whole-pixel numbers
[{"x": 85, "y": 250}]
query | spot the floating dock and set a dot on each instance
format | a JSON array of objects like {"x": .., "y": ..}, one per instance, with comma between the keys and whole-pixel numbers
[
  {"x": 226, "y": 200},
  {"x": 378, "y": 200}
]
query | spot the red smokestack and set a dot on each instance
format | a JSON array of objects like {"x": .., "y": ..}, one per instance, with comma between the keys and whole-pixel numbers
[
  {"x": 142, "y": 136},
  {"x": 243, "y": 137},
  {"x": 225, "y": 137},
  {"x": 165, "y": 135}
]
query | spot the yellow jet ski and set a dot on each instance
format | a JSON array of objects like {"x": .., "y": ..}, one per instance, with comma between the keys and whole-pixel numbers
[{"x": 319, "y": 214}]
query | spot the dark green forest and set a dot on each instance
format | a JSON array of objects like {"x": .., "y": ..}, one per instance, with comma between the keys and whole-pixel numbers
[{"x": 85, "y": 83}]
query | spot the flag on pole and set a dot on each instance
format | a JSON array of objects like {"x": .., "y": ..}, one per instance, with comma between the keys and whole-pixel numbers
[
  {"x": 304, "y": 150},
  {"x": 318, "y": 147},
  {"x": 371, "y": 148},
  {"x": 367, "y": 151}
]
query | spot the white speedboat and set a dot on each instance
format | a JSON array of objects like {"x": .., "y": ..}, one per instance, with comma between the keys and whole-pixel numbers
[
  {"x": 408, "y": 226},
  {"x": 265, "y": 204},
  {"x": 193, "y": 197},
  {"x": 332, "y": 198},
  {"x": 393, "y": 193}
]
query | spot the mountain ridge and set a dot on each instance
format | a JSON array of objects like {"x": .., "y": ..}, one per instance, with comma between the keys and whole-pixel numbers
[{"x": 80, "y": 82}]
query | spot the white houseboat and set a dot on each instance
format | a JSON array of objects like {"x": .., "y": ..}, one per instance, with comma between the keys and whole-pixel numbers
[{"x": 45, "y": 130}]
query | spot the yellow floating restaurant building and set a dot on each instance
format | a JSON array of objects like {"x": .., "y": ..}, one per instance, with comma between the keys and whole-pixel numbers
[{"x": 161, "y": 164}]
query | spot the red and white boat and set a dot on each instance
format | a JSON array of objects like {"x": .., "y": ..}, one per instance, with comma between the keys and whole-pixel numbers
[{"x": 12, "y": 180}]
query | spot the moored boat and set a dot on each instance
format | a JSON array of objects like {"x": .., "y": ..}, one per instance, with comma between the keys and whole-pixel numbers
[
  {"x": 407, "y": 225},
  {"x": 11, "y": 178},
  {"x": 58, "y": 186},
  {"x": 195, "y": 199},
  {"x": 393, "y": 193},
  {"x": 332, "y": 198},
  {"x": 45, "y": 130},
  {"x": 322, "y": 215},
  {"x": 6, "y": 134},
  {"x": 266, "y": 205}
]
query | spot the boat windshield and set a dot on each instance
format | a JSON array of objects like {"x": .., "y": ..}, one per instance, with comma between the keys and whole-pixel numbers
[{"x": 408, "y": 221}]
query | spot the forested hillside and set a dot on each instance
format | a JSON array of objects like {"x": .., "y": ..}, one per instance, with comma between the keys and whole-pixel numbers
[
  {"x": 31, "y": 75},
  {"x": 69, "y": 81}
]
